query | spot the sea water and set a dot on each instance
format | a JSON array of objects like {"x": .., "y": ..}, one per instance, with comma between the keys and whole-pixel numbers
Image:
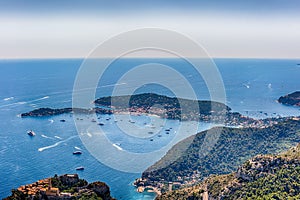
[{"x": 252, "y": 87}]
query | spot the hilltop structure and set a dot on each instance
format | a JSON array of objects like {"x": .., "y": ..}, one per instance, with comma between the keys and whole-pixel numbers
[{"x": 65, "y": 187}]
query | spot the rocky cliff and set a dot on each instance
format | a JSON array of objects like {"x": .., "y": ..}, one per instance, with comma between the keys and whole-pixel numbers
[{"x": 292, "y": 99}]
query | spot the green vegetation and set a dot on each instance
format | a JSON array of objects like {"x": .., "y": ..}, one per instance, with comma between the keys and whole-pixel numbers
[
  {"x": 284, "y": 183},
  {"x": 64, "y": 186},
  {"x": 262, "y": 177},
  {"x": 235, "y": 146},
  {"x": 163, "y": 106},
  {"x": 92, "y": 196},
  {"x": 172, "y": 105}
]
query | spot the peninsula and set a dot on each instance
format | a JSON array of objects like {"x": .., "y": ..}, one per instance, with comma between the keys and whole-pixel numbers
[
  {"x": 161, "y": 106},
  {"x": 147, "y": 103}
]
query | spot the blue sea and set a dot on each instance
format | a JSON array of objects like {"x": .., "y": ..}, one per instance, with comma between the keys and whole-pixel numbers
[{"x": 252, "y": 87}]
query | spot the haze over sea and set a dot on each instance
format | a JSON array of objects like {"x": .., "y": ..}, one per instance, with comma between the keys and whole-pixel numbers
[{"x": 252, "y": 87}]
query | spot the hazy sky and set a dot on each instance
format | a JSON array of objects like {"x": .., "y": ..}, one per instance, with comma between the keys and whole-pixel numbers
[{"x": 58, "y": 28}]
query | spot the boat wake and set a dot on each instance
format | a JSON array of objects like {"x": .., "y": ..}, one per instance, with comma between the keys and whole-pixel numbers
[
  {"x": 56, "y": 144},
  {"x": 39, "y": 99},
  {"x": 102, "y": 86},
  {"x": 24, "y": 102},
  {"x": 246, "y": 85},
  {"x": 118, "y": 147},
  {"x": 8, "y": 98},
  {"x": 77, "y": 148},
  {"x": 45, "y": 136}
]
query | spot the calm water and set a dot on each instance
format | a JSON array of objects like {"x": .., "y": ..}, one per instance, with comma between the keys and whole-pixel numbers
[{"x": 252, "y": 87}]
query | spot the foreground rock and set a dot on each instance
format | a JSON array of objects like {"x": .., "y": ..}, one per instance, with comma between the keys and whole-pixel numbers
[
  {"x": 66, "y": 187},
  {"x": 292, "y": 99}
]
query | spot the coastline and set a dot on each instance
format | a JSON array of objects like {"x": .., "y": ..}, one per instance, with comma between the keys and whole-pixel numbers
[{"x": 13, "y": 133}]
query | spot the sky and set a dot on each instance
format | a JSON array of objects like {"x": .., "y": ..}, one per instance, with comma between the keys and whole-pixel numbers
[{"x": 73, "y": 28}]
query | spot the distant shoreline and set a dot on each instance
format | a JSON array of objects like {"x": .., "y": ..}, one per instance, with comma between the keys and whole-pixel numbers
[{"x": 141, "y": 104}]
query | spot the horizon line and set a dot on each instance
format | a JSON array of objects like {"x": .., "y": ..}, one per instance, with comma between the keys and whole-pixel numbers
[{"x": 83, "y": 58}]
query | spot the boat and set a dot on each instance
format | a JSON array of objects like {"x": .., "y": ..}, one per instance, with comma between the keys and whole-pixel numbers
[
  {"x": 62, "y": 120},
  {"x": 31, "y": 133},
  {"x": 79, "y": 168},
  {"x": 77, "y": 152},
  {"x": 100, "y": 124}
]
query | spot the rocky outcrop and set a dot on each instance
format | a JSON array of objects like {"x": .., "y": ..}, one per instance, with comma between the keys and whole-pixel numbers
[
  {"x": 65, "y": 187},
  {"x": 101, "y": 189},
  {"x": 292, "y": 99},
  {"x": 69, "y": 179},
  {"x": 261, "y": 166}
]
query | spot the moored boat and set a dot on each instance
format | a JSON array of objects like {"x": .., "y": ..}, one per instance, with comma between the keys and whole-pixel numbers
[{"x": 77, "y": 152}]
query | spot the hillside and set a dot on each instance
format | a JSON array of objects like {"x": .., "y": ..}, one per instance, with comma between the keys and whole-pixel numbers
[
  {"x": 234, "y": 147},
  {"x": 261, "y": 177},
  {"x": 292, "y": 99}
]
